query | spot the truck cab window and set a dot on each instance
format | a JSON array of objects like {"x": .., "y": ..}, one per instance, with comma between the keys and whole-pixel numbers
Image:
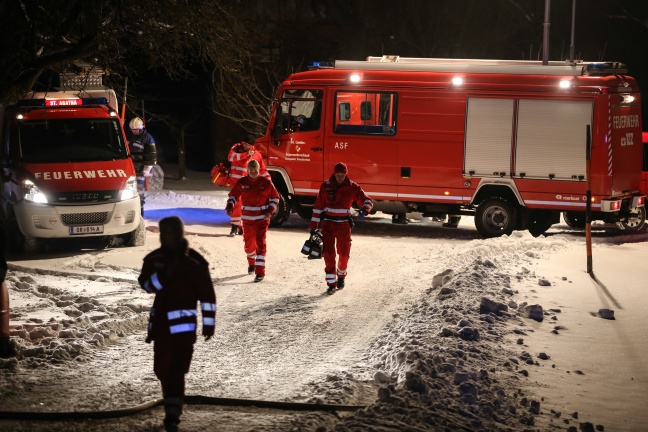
[
  {"x": 301, "y": 110},
  {"x": 365, "y": 113}
]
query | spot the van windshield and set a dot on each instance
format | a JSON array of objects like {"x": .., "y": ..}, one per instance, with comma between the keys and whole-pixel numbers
[{"x": 70, "y": 140}]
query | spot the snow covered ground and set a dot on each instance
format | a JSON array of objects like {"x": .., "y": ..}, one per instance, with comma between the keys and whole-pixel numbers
[{"x": 437, "y": 329}]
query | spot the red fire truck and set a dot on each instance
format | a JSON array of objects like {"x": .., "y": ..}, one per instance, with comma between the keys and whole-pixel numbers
[
  {"x": 644, "y": 173},
  {"x": 66, "y": 170},
  {"x": 504, "y": 141}
]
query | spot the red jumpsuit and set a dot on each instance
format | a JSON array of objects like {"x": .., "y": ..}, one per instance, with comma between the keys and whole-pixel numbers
[
  {"x": 258, "y": 200},
  {"x": 178, "y": 281},
  {"x": 238, "y": 159},
  {"x": 332, "y": 211}
]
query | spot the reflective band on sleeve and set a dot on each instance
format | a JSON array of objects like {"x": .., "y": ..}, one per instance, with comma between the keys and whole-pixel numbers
[
  {"x": 209, "y": 322},
  {"x": 181, "y": 313},
  {"x": 210, "y": 307},
  {"x": 316, "y": 211},
  {"x": 182, "y": 328},
  {"x": 156, "y": 282}
]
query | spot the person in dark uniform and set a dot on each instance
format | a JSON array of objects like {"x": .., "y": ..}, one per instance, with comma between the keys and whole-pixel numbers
[{"x": 179, "y": 277}]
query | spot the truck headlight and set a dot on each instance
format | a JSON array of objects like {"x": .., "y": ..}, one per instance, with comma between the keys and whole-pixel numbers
[
  {"x": 32, "y": 193},
  {"x": 130, "y": 190}
]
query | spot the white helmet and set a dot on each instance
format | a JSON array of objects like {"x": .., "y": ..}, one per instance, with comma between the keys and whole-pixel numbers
[{"x": 136, "y": 123}]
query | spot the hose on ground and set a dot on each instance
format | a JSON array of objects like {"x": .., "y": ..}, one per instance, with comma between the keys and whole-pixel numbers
[{"x": 190, "y": 400}]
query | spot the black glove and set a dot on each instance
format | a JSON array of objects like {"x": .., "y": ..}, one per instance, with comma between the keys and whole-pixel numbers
[{"x": 313, "y": 231}]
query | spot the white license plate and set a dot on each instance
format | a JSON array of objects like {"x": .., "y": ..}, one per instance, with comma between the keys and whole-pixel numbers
[{"x": 88, "y": 229}]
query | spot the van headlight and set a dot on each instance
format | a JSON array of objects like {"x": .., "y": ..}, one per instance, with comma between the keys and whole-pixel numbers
[
  {"x": 32, "y": 193},
  {"x": 130, "y": 190}
]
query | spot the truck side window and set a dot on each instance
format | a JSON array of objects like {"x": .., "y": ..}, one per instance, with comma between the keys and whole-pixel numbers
[
  {"x": 345, "y": 111},
  {"x": 365, "y": 110},
  {"x": 368, "y": 113},
  {"x": 301, "y": 110}
]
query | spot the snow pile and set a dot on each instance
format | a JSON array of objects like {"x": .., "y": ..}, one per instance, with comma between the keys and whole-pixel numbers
[
  {"x": 51, "y": 325},
  {"x": 447, "y": 362}
]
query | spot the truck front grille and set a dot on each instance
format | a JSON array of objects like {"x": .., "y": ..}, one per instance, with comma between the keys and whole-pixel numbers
[
  {"x": 62, "y": 198},
  {"x": 84, "y": 218}
]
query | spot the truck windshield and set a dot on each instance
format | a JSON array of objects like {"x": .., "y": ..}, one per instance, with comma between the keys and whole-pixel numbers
[{"x": 70, "y": 140}]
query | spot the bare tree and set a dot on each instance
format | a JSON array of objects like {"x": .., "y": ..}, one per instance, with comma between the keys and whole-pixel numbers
[{"x": 125, "y": 37}]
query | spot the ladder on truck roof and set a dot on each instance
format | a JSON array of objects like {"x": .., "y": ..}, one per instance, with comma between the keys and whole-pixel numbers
[{"x": 521, "y": 67}]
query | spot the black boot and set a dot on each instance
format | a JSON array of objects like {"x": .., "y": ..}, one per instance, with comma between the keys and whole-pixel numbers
[
  {"x": 234, "y": 230},
  {"x": 6, "y": 348}
]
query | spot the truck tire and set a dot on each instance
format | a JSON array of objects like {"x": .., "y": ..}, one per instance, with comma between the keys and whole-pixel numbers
[
  {"x": 17, "y": 242},
  {"x": 305, "y": 212},
  {"x": 636, "y": 223},
  {"x": 283, "y": 212},
  {"x": 495, "y": 217},
  {"x": 539, "y": 222},
  {"x": 575, "y": 220}
]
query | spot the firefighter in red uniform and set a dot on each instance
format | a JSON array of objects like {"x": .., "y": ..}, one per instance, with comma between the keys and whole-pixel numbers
[
  {"x": 332, "y": 212},
  {"x": 179, "y": 277},
  {"x": 239, "y": 155},
  {"x": 258, "y": 199}
]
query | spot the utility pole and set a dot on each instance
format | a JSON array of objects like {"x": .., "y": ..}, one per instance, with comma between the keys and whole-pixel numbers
[
  {"x": 545, "y": 38},
  {"x": 573, "y": 31}
]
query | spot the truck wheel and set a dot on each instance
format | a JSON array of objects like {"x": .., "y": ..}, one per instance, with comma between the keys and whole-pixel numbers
[
  {"x": 635, "y": 223},
  {"x": 305, "y": 212},
  {"x": 283, "y": 212},
  {"x": 18, "y": 243},
  {"x": 495, "y": 217},
  {"x": 539, "y": 222},
  {"x": 137, "y": 237},
  {"x": 575, "y": 220}
]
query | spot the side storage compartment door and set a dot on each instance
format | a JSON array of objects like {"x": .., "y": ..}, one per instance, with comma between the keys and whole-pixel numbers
[
  {"x": 489, "y": 137},
  {"x": 551, "y": 136}
]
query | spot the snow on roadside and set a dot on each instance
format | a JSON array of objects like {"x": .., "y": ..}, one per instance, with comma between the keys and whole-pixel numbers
[{"x": 448, "y": 364}]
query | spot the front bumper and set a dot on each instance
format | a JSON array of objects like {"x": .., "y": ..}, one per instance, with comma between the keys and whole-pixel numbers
[{"x": 56, "y": 221}]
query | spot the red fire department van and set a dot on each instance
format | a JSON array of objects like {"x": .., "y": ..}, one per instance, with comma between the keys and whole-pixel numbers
[
  {"x": 504, "y": 141},
  {"x": 66, "y": 170}
]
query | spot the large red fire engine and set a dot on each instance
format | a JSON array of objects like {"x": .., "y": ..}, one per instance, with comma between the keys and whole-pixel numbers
[
  {"x": 504, "y": 141},
  {"x": 66, "y": 170}
]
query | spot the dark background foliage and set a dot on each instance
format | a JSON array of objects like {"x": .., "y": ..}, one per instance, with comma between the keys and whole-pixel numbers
[{"x": 204, "y": 72}]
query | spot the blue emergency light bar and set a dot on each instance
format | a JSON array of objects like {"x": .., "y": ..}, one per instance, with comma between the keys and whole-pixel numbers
[
  {"x": 321, "y": 65},
  {"x": 606, "y": 68}
]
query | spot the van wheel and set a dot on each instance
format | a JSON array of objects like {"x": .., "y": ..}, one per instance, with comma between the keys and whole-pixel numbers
[
  {"x": 635, "y": 223},
  {"x": 17, "y": 241},
  {"x": 539, "y": 222},
  {"x": 575, "y": 220},
  {"x": 495, "y": 217},
  {"x": 282, "y": 213},
  {"x": 137, "y": 237}
]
